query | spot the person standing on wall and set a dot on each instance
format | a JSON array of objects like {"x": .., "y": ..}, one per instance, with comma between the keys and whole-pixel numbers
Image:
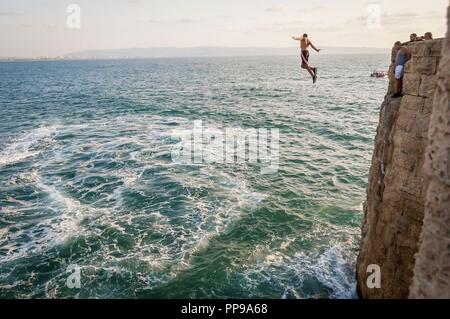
[{"x": 403, "y": 56}]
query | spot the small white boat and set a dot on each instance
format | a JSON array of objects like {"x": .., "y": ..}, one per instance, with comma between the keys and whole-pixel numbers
[{"x": 378, "y": 74}]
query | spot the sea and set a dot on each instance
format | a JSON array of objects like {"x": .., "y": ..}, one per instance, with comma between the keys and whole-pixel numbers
[{"x": 93, "y": 204}]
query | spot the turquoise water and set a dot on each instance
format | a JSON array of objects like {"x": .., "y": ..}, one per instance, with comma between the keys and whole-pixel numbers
[{"x": 87, "y": 179}]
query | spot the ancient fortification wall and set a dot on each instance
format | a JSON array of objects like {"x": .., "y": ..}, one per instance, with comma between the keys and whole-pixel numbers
[
  {"x": 409, "y": 179},
  {"x": 432, "y": 268}
]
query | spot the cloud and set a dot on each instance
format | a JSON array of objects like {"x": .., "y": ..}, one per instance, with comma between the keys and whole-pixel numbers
[
  {"x": 307, "y": 23},
  {"x": 48, "y": 25},
  {"x": 175, "y": 21},
  {"x": 187, "y": 21},
  {"x": 399, "y": 18},
  {"x": 9, "y": 13},
  {"x": 223, "y": 16},
  {"x": 276, "y": 8},
  {"x": 403, "y": 18},
  {"x": 287, "y": 23},
  {"x": 290, "y": 26},
  {"x": 318, "y": 9}
]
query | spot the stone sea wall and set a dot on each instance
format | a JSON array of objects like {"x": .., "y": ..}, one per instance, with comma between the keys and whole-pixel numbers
[
  {"x": 432, "y": 268},
  {"x": 408, "y": 196}
]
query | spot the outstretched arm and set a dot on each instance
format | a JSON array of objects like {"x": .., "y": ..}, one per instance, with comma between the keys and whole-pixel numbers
[
  {"x": 312, "y": 46},
  {"x": 297, "y": 38}
]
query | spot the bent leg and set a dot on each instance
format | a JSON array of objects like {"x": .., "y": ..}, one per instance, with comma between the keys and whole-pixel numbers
[
  {"x": 307, "y": 67},
  {"x": 396, "y": 86},
  {"x": 399, "y": 78},
  {"x": 305, "y": 62}
]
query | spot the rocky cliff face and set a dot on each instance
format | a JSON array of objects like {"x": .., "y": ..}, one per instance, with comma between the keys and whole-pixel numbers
[{"x": 399, "y": 193}]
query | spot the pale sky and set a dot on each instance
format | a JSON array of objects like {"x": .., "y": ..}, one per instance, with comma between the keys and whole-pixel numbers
[{"x": 38, "y": 27}]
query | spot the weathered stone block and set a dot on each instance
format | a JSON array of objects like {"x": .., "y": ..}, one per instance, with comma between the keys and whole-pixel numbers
[
  {"x": 406, "y": 142},
  {"x": 433, "y": 48},
  {"x": 427, "y": 106},
  {"x": 394, "y": 200},
  {"x": 404, "y": 241},
  {"x": 427, "y": 85},
  {"x": 406, "y": 255},
  {"x": 414, "y": 210},
  {"x": 415, "y": 228},
  {"x": 413, "y": 103},
  {"x": 444, "y": 66},
  {"x": 391, "y": 71},
  {"x": 414, "y": 186},
  {"x": 409, "y": 66},
  {"x": 417, "y": 48},
  {"x": 403, "y": 226},
  {"x": 403, "y": 160},
  {"x": 424, "y": 65},
  {"x": 426, "y": 48},
  {"x": 411, "y": 83},
  {"x": 388, "y": 234},
  {"x": 439, "y": 164},
  {"x": 406, "y": 121},
  {"x": 422, "y": 125}
]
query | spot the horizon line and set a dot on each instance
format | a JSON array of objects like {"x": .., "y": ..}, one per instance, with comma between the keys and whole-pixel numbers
[{"x": 67, "y": 55}]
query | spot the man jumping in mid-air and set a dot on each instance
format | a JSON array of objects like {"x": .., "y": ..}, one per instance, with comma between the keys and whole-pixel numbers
[{"x": 304, "y": 45}]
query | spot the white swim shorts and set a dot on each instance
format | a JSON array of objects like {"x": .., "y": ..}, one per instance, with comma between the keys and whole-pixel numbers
[{"x": 399, "y": 72}]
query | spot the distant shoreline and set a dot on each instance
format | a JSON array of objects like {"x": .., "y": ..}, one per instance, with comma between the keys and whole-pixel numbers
[
  {"x": 6, "y": 60},
  {"x": 191, "y": 52}
]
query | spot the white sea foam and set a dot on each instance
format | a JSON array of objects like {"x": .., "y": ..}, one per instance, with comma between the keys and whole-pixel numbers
[
  {"x": 51, "y": 231},
  {"x": 287, "y": 273},
  {"x": 229, "y": 196},
  {"x": 188, "y": 238},
  {"x": 208, "y": 218},
  {"x": 337, "y": 273},
  {"x": 26, "y": 145},
  {"x": 72, "y": 210}
]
